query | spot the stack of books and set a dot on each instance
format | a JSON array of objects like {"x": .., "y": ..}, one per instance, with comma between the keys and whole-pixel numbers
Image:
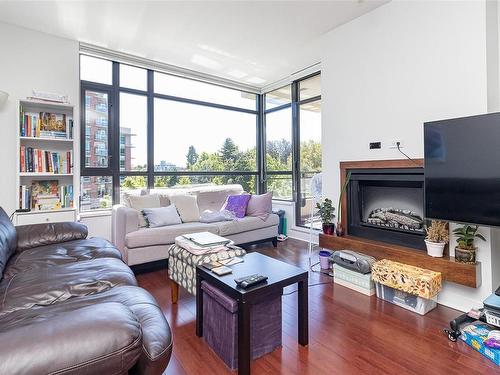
[
  {"x": 43, "y": 161},
  {"x": 25, "y": 202},
  {"x": 206, "y": 239},
  {"x": 45, "y": 195},
  {"x": 203, "y": 243},
  {"x": 45, "y": 125}
]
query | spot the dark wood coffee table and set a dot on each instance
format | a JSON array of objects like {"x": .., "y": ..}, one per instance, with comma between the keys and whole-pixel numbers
[{"x": 280, "y": 275}]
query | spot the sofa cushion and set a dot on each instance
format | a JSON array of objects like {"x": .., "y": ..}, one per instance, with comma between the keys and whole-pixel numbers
[
  {"x": 143, "y": 201},
  {"x": 156, "y": 335},
  {"x": 56, "y": 284},
  {"x": 245, "y": 224},
  {"x": 187, "y": 207},
  {"x": 104, "y": 338},
  {"x": 30, "y": 236},
  {"x": 63, "y": 253},
  {"x": 8, "y": 240},
  {"x": 165, "y": 235},
  {"x": 213, "y": 198}
]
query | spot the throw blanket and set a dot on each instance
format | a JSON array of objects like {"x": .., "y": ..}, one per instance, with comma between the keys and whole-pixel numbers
[
  {"x": 213, "y": 216},
  {"x": 200, "y": 250}
]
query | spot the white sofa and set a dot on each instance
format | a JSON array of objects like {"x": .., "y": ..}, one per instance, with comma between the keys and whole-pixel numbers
[{"x": 142, "y": 245}]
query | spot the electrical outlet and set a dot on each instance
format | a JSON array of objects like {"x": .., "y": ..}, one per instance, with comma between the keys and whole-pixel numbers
[
  {"x": 375, "y": 145},
  {"x": 394, "y": 144}
]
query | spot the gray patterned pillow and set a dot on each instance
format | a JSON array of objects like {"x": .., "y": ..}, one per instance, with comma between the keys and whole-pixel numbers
[{"x": 162, "y": 216}]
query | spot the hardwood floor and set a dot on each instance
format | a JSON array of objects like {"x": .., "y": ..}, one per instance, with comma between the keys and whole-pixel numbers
[{"x": 349, "y": 332}]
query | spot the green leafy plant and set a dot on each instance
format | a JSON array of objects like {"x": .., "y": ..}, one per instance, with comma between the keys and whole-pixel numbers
[
  {"x": 437, "y": 232},
  {"x": 325, "y": 210},
  {"x": 466, "y": 236}
]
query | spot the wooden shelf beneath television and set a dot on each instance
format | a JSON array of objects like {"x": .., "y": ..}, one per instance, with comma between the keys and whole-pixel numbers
[{"x": 460, "y": 273}]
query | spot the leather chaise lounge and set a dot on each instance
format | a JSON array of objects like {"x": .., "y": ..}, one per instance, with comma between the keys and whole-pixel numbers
[{"x": 69, "y": 305}]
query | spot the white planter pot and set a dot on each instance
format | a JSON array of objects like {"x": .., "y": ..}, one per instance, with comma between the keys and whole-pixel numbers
[{"x": 435, "y": 249}]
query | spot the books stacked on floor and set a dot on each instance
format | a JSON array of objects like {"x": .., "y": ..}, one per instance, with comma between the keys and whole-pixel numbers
[
  {"x": 45, "y": 195},
  {"x": 44, "y": 161},
  {"x": 45, "y": 125}
]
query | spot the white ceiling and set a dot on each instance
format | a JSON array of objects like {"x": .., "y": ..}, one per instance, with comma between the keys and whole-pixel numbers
[{"x": 251, "y": 42}]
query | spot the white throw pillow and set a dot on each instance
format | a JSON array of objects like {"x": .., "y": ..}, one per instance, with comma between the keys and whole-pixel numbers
[
  {"x": 140, "y": 202},
  {"x": 187, "y": 206},
  {"x": 161, "y": 217}
]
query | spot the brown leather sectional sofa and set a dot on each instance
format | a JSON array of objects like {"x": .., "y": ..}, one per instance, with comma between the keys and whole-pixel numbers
[{"x": 69, "y": 305}]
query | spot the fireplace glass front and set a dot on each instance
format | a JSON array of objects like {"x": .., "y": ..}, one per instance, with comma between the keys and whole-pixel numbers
[{"x": 387, "y": 206}]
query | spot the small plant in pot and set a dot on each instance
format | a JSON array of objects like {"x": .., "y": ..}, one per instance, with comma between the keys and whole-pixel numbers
[
  {"x": 437, "y": 238},
  {"x": 465, "y": 251},
  {"x": 325, "y": 211}
]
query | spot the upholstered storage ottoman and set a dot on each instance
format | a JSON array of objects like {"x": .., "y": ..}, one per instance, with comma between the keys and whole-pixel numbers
[
  {"x": 182, "y": 264},
  {"x": 220, "y": 325}
]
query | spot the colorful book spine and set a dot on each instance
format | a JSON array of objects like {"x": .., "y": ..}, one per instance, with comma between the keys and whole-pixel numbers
[
  {"x": 44, "y": 161},
  {"x": 41, "y": 125},
  {"x": 46, "y": 195},
  {"x": 25, "y": 199}
]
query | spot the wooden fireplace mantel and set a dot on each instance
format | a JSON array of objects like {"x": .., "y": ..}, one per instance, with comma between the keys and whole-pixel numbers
[{"x": 460, "y": 273}]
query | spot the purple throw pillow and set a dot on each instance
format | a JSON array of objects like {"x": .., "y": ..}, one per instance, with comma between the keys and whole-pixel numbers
[{"x": 237, "y": 204}]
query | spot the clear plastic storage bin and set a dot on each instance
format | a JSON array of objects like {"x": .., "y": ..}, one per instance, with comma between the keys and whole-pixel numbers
[{"x": 405, "y": 300}]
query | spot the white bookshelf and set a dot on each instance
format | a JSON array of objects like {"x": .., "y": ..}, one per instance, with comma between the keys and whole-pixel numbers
[{"x": 47, "y": 144}]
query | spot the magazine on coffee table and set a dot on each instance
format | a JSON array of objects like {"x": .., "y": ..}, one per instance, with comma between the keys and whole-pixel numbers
[{"x": 206, "y": 239}]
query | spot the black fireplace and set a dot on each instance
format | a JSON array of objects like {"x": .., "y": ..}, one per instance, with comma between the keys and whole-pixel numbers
[{"x": 387, "y": 205}]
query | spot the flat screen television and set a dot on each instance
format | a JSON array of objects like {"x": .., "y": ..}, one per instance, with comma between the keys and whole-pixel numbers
[{"x": 462, "y": 169}]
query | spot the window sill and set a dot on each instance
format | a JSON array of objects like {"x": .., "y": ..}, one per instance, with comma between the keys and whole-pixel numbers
[
  {"x": 283, "y": 202},
  {"x": 97, "y": 213}
]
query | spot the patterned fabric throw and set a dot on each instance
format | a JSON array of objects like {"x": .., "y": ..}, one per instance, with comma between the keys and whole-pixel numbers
[
  {"x": 417, "y": 281},
  {"x": 182, "y": 264},
  {"x": 237, "y": 204}
]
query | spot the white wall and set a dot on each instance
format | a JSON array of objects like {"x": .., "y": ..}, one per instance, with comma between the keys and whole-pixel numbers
[
  {"x": 386, "y": 73},
  {"x": 30, "y": 60}
]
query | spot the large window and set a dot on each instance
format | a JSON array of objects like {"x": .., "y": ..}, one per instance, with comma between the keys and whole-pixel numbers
[
  {"x": 133, "y": 132},
  {"x": 278, "y": 146},
  {"x": 198, "y": 138},
  {"x": 143, "y": 129},
  {"x": 185, "y": 132},
  {"x": 293, "y": 143}
]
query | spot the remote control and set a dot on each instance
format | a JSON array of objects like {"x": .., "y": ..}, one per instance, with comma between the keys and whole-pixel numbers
[{"x": 248, "y": 281}]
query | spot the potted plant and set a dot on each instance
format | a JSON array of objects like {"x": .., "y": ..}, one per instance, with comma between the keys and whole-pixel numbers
[
  {"x": 437, "y": 238},
  {"x": 465, "y": 251},
  {"x": 340, "y": 228},
  {"x": 325, "y": 210}
]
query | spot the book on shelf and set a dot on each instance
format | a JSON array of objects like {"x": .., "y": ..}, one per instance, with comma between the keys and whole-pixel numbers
[
  {"x": 45, "y": 125},
  {"x": 35, "y": 160},
  {"x": 45, "y": 195}
]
